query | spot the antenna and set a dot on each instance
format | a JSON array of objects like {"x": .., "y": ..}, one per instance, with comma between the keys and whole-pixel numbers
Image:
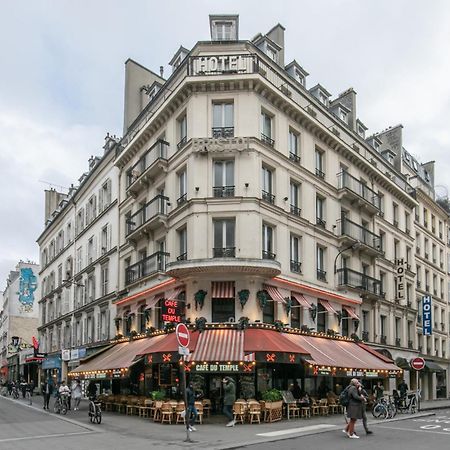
[{"x": 51, "y": 185}]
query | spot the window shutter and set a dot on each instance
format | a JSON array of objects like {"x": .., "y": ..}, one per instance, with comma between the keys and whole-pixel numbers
[
  {"x": 109, "y": 193},
  {"x": 107, "y": 325},
  {"x": 109, "y": 243},
  {"x": 85, "y": 331},
  {"x": 95, "y": 251},
  {"x": 100, "y": 200}
]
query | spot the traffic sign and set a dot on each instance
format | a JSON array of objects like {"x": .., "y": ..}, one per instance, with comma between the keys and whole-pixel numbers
[
  {"x": 183, "y": 336},
  {"x": 417, "y": 363},
  {"x": 184, "y": 351}
]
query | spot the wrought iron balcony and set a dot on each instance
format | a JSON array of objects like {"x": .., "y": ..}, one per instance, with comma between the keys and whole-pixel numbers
[
  {"x": 268, "y": 197},
  {"x": 182, "y": 257},
  {"x": 224, "y": 252},
  {"x": 351, "y": 231},
  {"x": 223, "y": 191},
  {"x": 147, "y": 216},
  {"x": 320, "y": 174},
  {"x": 268, "y": 255},
  {"x": 147, "y": 266},
  {"x": 182, "y": 199},
  {"x": 296, "y": 210},
  {"x": 296, "y": 266},
  {"x": 294, "y": 157},
  {"x": 182, "y": 143},
  {"x": 222, "y": 132},
  {"x": 354, "y": 189},
  {"x": 321, "y": 275},
  {"x": 359, "y": 281},
  {"x": 320, "y": 222},
  {"x": 267, "y": 140}
]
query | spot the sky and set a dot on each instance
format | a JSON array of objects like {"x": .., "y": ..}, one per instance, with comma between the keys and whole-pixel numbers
[{"x": 62, "y": 77}]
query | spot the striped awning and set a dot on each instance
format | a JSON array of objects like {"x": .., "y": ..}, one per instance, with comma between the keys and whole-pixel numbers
[
  {"x": 222, "y": 289},
  {"x": 153, "y": 301},
  {"x": 274, "y": 294},
  {"x": 351, "y": 312},
  {"x": 174, "y": 293},
  {"x": 220, "y": 345},
  {"x": 301, "y": 299},
  {"x": 327, "y": 305}
]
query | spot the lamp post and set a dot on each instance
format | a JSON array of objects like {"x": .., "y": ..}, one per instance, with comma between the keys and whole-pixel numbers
[{"x": 352, "y": 247}]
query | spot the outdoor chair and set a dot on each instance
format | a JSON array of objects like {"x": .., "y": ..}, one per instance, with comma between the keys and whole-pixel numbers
[
  {"x": 239, "y": 412},
  {"x": 254, "y": 412},
  {"x": 166, "y": 413}
]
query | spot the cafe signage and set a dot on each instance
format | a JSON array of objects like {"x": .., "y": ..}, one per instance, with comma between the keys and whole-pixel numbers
[
  {"x": 224, "y": 368},
  {"x": 171, "y": 311}
]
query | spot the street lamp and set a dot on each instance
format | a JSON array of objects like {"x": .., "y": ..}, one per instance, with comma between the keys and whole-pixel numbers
[{"x": 352, "y": 247}]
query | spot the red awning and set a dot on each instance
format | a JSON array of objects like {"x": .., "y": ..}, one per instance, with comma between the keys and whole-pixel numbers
[
  {"x": 351, "y": 312},
  {"x": 274, "y": 294},
  {"x": 301, "y": 300},
  {"x": 168, "y": 343},
  {"x": 222, "y": 289},
  {"x": 257, "y": 340},
  {"x": 327, "y": 305}
]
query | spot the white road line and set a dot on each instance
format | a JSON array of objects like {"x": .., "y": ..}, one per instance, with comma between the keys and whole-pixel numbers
[
  {"x": 45, "y": 436},
  {"x": 417, "y": 431},
  {"x": 320, "y": 426}
]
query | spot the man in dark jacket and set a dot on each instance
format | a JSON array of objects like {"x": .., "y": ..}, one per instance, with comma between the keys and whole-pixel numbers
[
  {"x": 191, "y": 413},
  {"x": 354, "y": 408},
  {"x": 229, "y": 389},
  {"x": 47, "y": 390}
]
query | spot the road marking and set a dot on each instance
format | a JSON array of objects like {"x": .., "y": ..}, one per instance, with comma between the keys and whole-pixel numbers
[
  {"x": 412, "y": 429},
  {"x": 45, "y": 436},
  {"x": 320, "y": 426}
]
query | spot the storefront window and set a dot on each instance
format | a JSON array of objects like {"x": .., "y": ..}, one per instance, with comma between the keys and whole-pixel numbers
[
  {"x": 321, "y": 318},
  {"x": 269, "y": 312},
  {"x": 296, "y": 314},
  {"x": 264, "y": 380},
  {"x": 345, "y": 322},
  {"x": 223, "y": 309}
]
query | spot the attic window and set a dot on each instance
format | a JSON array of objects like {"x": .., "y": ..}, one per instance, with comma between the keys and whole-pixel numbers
[
  {"x": 343, "y": 115},
  {"x": 224, "y": 31},
  {"x": 376, "y": 144},
  {"x": 299, "y": 77},
  {"x": 361, "y": 131},
  {"x": 271, "y": 53},
  {"x": 323, "y": 98},
  {"x": 177, "y": 62}
]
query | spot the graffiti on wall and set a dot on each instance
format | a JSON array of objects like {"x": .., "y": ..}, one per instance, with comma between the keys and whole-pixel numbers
[{"x": 27, "y": 286}]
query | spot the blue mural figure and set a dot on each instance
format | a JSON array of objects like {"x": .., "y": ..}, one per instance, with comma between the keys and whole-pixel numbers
[{"x": 27, "y": 286}]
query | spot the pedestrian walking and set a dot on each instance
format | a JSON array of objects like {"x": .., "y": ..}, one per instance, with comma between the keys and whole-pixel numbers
[
  {"x": 76, "y": 394},
  {"x": 191, "y": 413},
  {"x": 379, "y": 391},
  {"x": 228, "y": 400},
  {"x": 23, "y": 387},
  {"x": 363, "y": 392},
  {"x": 354, "y": 408},
  {"x": 47, "y": 390}
]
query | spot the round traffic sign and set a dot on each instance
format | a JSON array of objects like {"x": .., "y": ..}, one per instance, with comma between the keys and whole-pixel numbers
[
  {"x": 183, "y": 336},
  {"x": 417, "y": 363}
]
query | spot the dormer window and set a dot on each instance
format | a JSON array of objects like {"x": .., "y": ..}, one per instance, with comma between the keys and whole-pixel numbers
[
  {"x": 224, "y": 27},
  {"x": 271, "y": 53},
  {"x": 361, "y": 131},
  {"x": 299, "y": 77},
  {"x": 343, "y": 115},
  {"x": 323, "y": 98},
  {"x": 223, "y": 31},
  {"x": 376, "y": 144}
]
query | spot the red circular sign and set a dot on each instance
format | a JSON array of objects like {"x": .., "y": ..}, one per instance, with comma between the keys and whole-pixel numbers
[
  {"x": 417, "y": 363},
  {"x": 183, "y": 336}
]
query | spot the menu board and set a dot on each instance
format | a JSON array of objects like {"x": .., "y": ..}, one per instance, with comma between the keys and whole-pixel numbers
[{"x": 165, "y": 374}]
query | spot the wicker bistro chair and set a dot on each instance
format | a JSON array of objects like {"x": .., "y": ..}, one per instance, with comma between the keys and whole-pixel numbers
[
  {"x": 180, "y": 418},
  {"x": 254, "y": 412},
  {"x": 206, "y": 407},
  {"x": 239, "y": 410},
  {"x": 132, "y": 406},
  {"x": 119, "y": 403},
  {"x": 333, "y": 406},
  {"x": 200, "y": 410},
  {"x": 145, "y": 408},
  {"x": 315, "y": 408},
  {"x": 166, "y": 413},
  {"x": 323, "y": 405},
  {"x": 264, "y": 411},
  {"x": 155, "y": 410},
  {"x": 305, "y": 412},
  {"x": 108, "y": 402}
]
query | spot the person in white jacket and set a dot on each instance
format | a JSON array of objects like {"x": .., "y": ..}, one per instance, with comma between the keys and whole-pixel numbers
[{"x": 76, "y": 394}]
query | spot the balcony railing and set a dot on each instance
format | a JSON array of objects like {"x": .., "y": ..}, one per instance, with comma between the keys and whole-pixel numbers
[
  {"x": 296, "y": 266},
  {"x": 296, "y": 210},
  {"x": 182, "y": 199},
  {"x": 321, "y": 275},
  {"x": 358, "y": 280},
  {"x": 320, "y": 222},
  {"x": 222, "y": 132},
  {"x": 359, "y": 233},
  {"x": 223, "y": 191},
  {"x": 294, "y": 157},
  {"x": 347, "y": 181},
  {"x": 156, "y": 206},
  {"x": 268, "y": 197},
  {"x": 182, "y": 143},
  {"x": 268, "y": 255},
  {"x": 147, "y": 266},
  {"x": 224, "y": 252},
  {"x": 157, "y": 151},
  {"x": 267, "y": 140},
  {"x": 320, "y": 174},
  {"x": 182, "y": 257}
]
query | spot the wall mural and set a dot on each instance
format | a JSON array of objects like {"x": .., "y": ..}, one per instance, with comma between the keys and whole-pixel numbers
[{"x": 27, "y": 286}]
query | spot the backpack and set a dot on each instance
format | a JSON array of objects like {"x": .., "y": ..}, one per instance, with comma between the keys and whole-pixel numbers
[{"x": 344, "y": 397}]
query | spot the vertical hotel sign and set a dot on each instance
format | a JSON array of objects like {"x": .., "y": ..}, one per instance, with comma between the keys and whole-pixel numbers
[
  {"x": 426, "y": 315},
  {"x": 400, "y": 273}
]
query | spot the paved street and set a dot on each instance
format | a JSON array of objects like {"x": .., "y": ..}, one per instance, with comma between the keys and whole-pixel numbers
[{"x": 21, "y": 424}]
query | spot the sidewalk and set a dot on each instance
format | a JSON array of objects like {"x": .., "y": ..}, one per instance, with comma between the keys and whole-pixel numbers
[
  {"x": 428, "y": 405},
  {"x": 212, "y": 434}
]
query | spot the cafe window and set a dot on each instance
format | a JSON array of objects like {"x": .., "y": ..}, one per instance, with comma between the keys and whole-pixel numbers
[
  {"x": 141, "y": 319},
  {"x": 296, "y": 312},
  {"x": 345, "y": 323},
  {"x": 269, "y": 312},
  {"x": 223, "y": 310},
  {"x": 321, "y": 318}
]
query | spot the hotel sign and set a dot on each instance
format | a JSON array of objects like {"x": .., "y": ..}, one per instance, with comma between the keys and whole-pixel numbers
[
  {"x": 400, "y": 271},
  {"x": 426, "y": 316},
  {"x": 206, "y": 65}
]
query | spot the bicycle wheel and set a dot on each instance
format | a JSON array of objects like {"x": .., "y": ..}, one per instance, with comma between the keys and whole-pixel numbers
[
  {"x": 379, "y": 411},
  {"x": 413, "y": 406},
  {"x": 30, "y": 401},
  {"x": 98, "y": 417},
  {"x": 63, "y": 410}
]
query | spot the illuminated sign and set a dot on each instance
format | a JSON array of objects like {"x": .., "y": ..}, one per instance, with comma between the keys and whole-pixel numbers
[
  {"x": 228, "y": 368},
  {"x": 171, "y": 311},
  {"x": 400, "y": 270},
  {"x": 426, "y": 315},
  {"x": 220, "y": 63}
]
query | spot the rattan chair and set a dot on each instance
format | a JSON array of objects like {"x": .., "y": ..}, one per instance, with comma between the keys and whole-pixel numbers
[
  {"x": 166, "y": 413},
  {"x": 254, "y": 412},
  {"x": 239, "y": 412}
]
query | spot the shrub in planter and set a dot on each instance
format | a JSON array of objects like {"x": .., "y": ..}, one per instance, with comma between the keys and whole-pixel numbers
[
  {"x": 272, "y": 395},
  {"x": 158, "y": 395},
  {"x": 243, "y": 323}
]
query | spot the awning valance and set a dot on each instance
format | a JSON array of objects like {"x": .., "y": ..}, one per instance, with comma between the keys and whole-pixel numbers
[
  {"x": 274, "y": 293},
  {"x": 153, "y": 301},
  {"x": 327, "y": 305},
  {"x": 174, "y": 293},
  {"x": 222, "y": 289},
  {"x": 301, "y": 299},
  {"x": 433, "y": 367},
  {"x": 270, "y": 341},
  {"x": 351, "y": 312}
]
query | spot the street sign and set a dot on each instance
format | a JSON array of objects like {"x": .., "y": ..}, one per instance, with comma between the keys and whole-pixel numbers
[
  {"x": 183, "y": 351},
  {"x": 183, "y": 336},
  {"x": 417, "y": 363}
]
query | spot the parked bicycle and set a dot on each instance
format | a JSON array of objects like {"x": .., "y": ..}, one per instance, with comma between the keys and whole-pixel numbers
[
  {"x": 385, "y": 408},
  {"x": 61, "y": 404},
  {"x": 95, "y": 411},
  {"x": 408, "y": 404}
]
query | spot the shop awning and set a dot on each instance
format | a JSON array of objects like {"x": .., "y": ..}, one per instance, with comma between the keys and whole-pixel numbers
[
  {"x": 402, "y": 363},
  {"x": 340, "y": 353},
  {"x": 153, "y": 301},
  {"x": 168, "y": 344},
  {"x": 351, "y": 312},
  {"x": 274, "y": 294},
  {"x": 120, "y": 356},
  {"x": 174, "y": 293},
  {"x": 327, "y": 305},
  {"x": 270, "y": 341},
  {"x": 433, "y": 367},
  {"x": 222, "y": 289},
  {"x": 301, "y": 300}
]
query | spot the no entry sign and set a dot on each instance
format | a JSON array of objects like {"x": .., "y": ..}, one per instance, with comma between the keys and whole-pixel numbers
[
  {"x": 183, "y": 336},
  {"x": 417, "y": 363}
]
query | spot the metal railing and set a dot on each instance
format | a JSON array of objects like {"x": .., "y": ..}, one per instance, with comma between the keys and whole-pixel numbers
[
  {"x": 224, "y": 252},
  {"x": 267, "y": 140},
  {"x": 358, "y": 280},
  {"x": 156, "y": 206},
  {"x": 347, "y": 181},
  {"x": 223, "y": 191},
  {"x": 359, "y": 233},
  {"x": 147, "y": 266},
  {"x": 222, "y": 132},
  {"x": 320, "y": 174},
  {"x": 294, "y": 157},
  {"x": 321, "y": 275},
  {"x": 268, "y": 255},
  {"x": 296, "y": 266},
  {"x": 320, "y": 222},
  {"x": 296, "y": 210},
  {"x": 158, "y": 150},
  {"x": 182, "y": 199},
  {"x": 182, "y": 143},
  {"x": 268, "y": 197},
  {"x": 182, "y": 257}
]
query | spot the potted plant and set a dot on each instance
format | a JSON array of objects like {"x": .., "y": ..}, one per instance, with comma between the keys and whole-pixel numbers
[
  {"x": 199, "y": 298},
  {"x": 149, "y": 331},
  {"x": 243, "y": 323},
  {"x": 273, "y": 404},
  {"x": 243, "y": 297},
  {"x": 279, "y": 325},
  {"x": 200, "y": 323},
  {"x": 157, "y": 395},
  {"x": 169, "y": 326},
  {"x": 118, "y": 336},
  {"x": 133, "y": 334}
]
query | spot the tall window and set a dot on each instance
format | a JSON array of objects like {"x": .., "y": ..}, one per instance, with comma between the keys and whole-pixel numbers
[
  {"x": 90, "y": 250},
  {"x": 223, "y": 120},
  {"x": 296, "y": 314},
  {"x": 383, "y": 327},
  {"x": 105, "y": 195},
  {"x": 223, "y": 179},
  {"x": 266, "y": 128},
  {"x": 182, "y": 239},
  {"x": 104, "y": 278},
  {"x": 224, "y": 238},
  {"x": 142, "y": 322},
  {"x": 267, "y": 185},
  {"x": 295, "y": 254},
  {"x": 320, "y": 211},
  {"x": 293, "y": 146},
  {"x": 267, "y": 242},
  {"x": 321, "y": 318},
  {"x": 104, "y": 240},
  {"x": 320, "y": 168},
  {"x": 182, "y": 131},
  {"x": 269, "y": 312},
  {"x": 295, "y": 198},
  {"x": 395, "y": 214},
  {"x": 320, "y": 260},
  {"x": 345, "y": 321},
  {"x": 223, "y": 309},
  {"x": 365, "y": 321},
  {"x": 397, "y": 330},
  {"x": 223, "y": 31},
  {"x": 91, "y": 287},
  {"x": 182, "y": 187}
]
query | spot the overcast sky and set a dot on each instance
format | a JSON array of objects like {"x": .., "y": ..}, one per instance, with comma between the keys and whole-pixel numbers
[{"x": 62, "y": 73}]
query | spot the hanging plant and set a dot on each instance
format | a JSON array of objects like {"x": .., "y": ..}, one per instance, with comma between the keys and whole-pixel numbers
[
  {"x": 288, "y": 305},
  {"x": 147, "y": 314},
  {"x": 200, "y": 323},
  {"x": 305, "y": 329},
  {"x": 199, "y": 298},
  {"x": 243, "y": 323},
  {"x": 243, "y": 297},
  {"x": 133, "y": 334},
  {"x": 279, "y": 325},
  {"x": 168, "y": 327},
  {"x": 118, "y": 336},
  {"x": 149, "y": 331},
  {"x": 339, "y": 317},
  {"x": 262, "y": 298},
  {"x": 313, "y": 312},
  {"x": 331, "y": 332}
]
